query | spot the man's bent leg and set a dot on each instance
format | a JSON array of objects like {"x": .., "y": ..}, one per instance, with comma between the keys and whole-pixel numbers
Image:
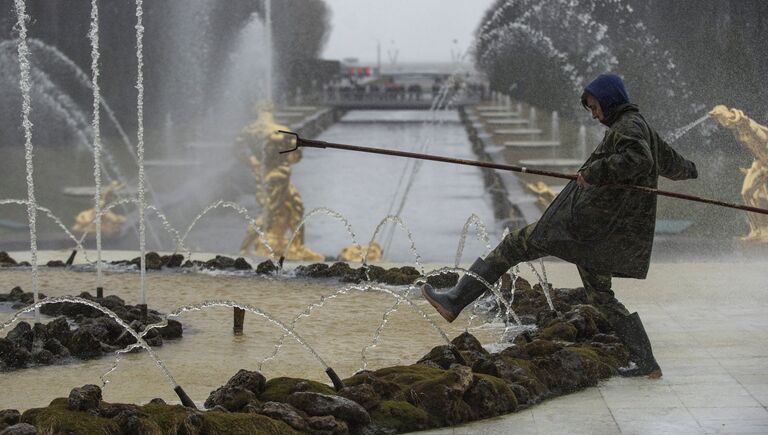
[
  {"x": 512, "y": 250},
  {"x": 628, "y": 326}
]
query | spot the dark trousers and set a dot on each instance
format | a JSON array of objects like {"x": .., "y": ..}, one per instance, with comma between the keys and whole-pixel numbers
[{"x": 515, "y": 249}]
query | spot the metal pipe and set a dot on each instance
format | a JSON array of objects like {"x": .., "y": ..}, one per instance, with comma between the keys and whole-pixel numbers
[
  {"x": 185, "y": 400},
  {"x": 337, "y": 383},
  {"x": 311, "y": 143}
]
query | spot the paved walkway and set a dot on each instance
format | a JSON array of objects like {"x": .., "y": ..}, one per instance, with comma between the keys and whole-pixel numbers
[{"x": 708, "y": 322}]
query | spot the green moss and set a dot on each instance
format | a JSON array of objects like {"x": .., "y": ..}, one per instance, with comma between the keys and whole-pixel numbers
[
  {"x": 155, "y": 420},
  {"x": 584, "y": 352},
  {"x": 590, "y": 357},
  {"x": 57, "y": 418},
  {"x": 488, "y": 402},
  {"x": 541, "y": 348},
  {"x": 239, "y": 423},
  {"x": 403, "y": 376},
  {"x": 500, "y": 385},
  {"x": 524, "y": 364},
  {"x": 400, "y": 415},
  {"x": 278, "y": 389},
  {"x": 559, "y": 331},
  {"x": 168, "y": 418}
]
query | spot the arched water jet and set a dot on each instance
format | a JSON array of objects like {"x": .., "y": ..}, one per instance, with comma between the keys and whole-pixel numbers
[
  {"x": 489, "y": 286},
  {"x": 42, "y": 48},
  {"x": 251, "y": 309},
  {"x": 313, "y": 212},
  {"x": 53, "y": 217},
  {"x": 401, "y": 224},
  {"x": 242, "y": 211},
  {"x": 377, "y": 334},
  {"x": 346, "y": 290},
  {"x": 139, "y": 338},
  {"x": 543, "y": 42},
  {"x": 174, "y": 233},
  {"x": 545, "y": 286},
  {"x": 482, "y": 232}
]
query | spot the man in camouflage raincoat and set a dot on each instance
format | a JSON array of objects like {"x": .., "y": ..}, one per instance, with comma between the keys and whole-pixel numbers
[{"x": 605, "y": 229}]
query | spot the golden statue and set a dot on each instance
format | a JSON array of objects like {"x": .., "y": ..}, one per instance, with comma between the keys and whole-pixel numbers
[
  {"x": 755, "y": 188},
  {"x": 545, "y": 193},
  {"x": 111, "y": 223},
  {"x": 281, "y": 206},
  {"x": 355, "y": 253}
]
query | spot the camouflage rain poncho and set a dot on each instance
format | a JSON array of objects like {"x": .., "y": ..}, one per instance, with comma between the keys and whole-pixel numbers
[{"x": 605, "y": 227}]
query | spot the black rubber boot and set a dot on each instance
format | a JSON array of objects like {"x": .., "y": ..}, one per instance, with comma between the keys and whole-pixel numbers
[
  {"x": 632, "y": 333},
  {"x": 450, "y": 303}
]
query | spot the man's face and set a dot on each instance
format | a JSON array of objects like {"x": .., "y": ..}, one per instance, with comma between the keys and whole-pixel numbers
[{"x": 594, "y": 107}]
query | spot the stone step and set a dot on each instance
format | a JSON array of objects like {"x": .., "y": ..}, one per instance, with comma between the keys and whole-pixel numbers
[
  {"x": 499, "y": 114},
  {"x": 518, "y": 131},
  {"x": 510, "y": 121},
  {"x": 531, "y": 143}
]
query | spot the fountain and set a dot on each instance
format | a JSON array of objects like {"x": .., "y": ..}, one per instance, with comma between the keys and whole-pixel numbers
[
  {"x": 754, "y": 190},
  {"x": 280, "y": 201}
]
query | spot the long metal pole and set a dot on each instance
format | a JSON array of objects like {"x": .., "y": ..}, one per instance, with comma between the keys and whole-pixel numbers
[{"x": 311, "y": 143}]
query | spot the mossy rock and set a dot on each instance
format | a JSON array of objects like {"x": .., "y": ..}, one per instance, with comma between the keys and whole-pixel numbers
[
  {"x": 395, "y": 276},
  {"x": 443, "y": 397},
  {"x": 490, "y": 396},
  {"x": 558, "y": 330},
  {"x": 58, "y": 418},
  {"x": 436, "y": 391},
  {"x": 278, "y": 389},
  {"x": 156, "y": 419},
  {"x": 235, "y": 423},
  {"x": 399, "y": 377},
  {"x": 602, "y": 364},
  {"x": 540, "y": 348},
  {"x": 168, "y": 418},
  {"x": 400, "y": 415}
]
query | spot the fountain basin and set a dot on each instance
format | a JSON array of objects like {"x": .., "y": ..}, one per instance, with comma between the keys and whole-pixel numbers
[{"x": 209, "y": 354}]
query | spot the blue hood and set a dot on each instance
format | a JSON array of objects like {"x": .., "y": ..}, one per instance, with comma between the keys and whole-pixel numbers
[{"x": 609, "y": 91}]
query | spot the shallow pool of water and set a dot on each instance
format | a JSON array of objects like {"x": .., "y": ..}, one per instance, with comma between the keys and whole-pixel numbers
[{"x": 209, "y": 354}]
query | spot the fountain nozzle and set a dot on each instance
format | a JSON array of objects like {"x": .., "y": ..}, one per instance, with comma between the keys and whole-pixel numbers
[
  {"x": 185, "y": 400},
  {"x": 71, "y": 258},
  {"x": 337, "y": 384}
]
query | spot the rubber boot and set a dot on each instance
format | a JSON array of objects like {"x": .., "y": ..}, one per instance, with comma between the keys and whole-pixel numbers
[
  {"x": 450, "y": 303},
  {"x": 632, "y": 333}
]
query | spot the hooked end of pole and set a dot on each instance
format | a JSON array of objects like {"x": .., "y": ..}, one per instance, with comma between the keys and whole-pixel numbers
[{"x": 295, "y": 135}]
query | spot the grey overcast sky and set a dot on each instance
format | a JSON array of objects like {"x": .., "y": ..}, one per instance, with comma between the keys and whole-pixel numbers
[{"x": 418, "y": 30}]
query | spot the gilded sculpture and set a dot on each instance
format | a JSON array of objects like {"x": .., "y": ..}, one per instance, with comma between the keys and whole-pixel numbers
[
  {"x": 111, "y": 223},
  {"x": 754, "y": 190},
  {"x": 281, "y": 205}
]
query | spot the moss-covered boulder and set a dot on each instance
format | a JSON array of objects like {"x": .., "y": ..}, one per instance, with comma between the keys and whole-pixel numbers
[
  {"x": 400, "y": 416},
  {"x": 278, "y": 389},
  {"x": 148, "y": 419}
]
